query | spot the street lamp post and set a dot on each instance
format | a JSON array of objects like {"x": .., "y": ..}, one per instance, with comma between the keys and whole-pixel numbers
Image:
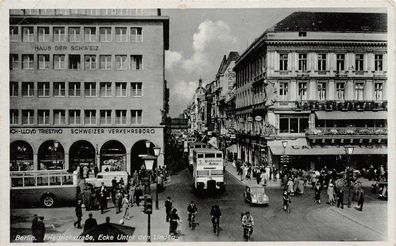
[
  {"x": 284, "y": 157},
  {"x": 348, "y": 152},
  {"x": 148, "y": 162},
  {"x": 157, "y": 151}
]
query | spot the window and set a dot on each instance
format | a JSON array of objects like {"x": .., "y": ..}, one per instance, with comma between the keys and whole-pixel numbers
[
  {"x": 43, "y": 117},
  {"x": 321, "y": 90},
  {"x": 302, "y": 34},
  {"x": 120, "y": 117},
  {"x": 27, "y": 34},
  {"x": 359, "y": 91},
  {"x": 27, "y": 89},
  {"x": 136, "y": 117},
  {"x": 302, "y": 62},
  {"x": 43, "y": 34},
  {"x": 321, "y": 62},
  {"x": 378, "y": 62},
  {"x": 14, "y": 61},
  {"x": 105, "y": 89},
  {"x": 43, "y": 61},
  {"x": 27, "y": 61},
  {"x": 14, "y": 37},
  {"x": 89, "y": 117},
  {"x": 27, "y": 116},
  {"x": 136, "y": 89},
  {"x": 13, "y": 89},
  {"x": 283, "y": 62},
  {"x": 359, "y": 62},
  {"x": 105, "y": 62},
  {"x": 302, "y": 90},
  {"x": 59, "y": 117},
  {"x": 105, "y": 34},
  {"x": 136, "y": 62},
  {"x": 121, "y": 89},
  {"x": 121, "y": 62},
  {"x": 74, "y": 117},
  {"x": 90, "y": 62},
  {"x": 283, "y": 90},
  {"x": 43, "y": 89},
  {"x": 90, "y": 34},
  {"x": 90, "y": 89},
  {"x": 59, "y": 34},
  {"x": 293, "y": 123},
  {"x": 121, "y": 34},
  {"x": 340, "y": 90},
  {"x": 59, "y": 89},
  {"x": 105, "y": 117},
  {"x": 74, "y": 34},
  {"x": 74, "y": 89},
  {"x": 59, "y": 62},
  {"x": 378, "y": 88},
  {"x": 74, "y": 62},
  {"x": 340, "y": 62},
  {"x": 14, "y": 117},
  {"x": 136, "y": 34}
]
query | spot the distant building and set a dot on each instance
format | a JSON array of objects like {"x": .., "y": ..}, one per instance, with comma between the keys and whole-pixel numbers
[
  {"x": 317, "y": 81},
  {"x": 86, "y": 87}
]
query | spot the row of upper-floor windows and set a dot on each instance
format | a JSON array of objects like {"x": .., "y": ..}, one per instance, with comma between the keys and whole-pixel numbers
[
  {"x": 321, "y": 64},
  {"x": 75, "y": 34},
  {"x": 76, "y": 117},
  {"x": 76, "y": 62},
  {"x": 75, "y": 89},
  {"x": 358, "y": 90}
]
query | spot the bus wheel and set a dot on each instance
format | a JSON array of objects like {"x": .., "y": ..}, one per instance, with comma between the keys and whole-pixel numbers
[{"x": 48, "y": 200}]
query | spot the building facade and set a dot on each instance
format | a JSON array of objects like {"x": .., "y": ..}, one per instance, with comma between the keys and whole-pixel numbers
[
  {"x": 317, "y": 81},
  {"x": 86, "y": 87}
]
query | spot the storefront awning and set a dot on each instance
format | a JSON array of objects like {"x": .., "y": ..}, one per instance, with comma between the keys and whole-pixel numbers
[
  {"x": 350, "y": 115},
  {"x": 232, "y": 148},
  {"x": 328, "y": 150}
]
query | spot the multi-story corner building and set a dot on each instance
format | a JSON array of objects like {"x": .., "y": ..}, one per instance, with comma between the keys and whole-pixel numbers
[
  {"x": 86, "y": 87},
  {"x": 317, "y": 81},
  {"x": 197, "y": 110}
]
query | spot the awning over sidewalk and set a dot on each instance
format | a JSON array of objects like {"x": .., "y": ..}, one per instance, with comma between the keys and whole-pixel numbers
[
  {"x": 232, "y": 149},
  {"x": 350, "y": 115},
  {"x": 328, "y": 150}
]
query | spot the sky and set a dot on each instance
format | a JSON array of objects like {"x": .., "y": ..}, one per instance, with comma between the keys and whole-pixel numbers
[{"x": 199, "y": 38}]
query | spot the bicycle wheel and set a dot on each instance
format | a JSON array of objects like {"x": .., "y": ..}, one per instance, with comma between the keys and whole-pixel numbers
[{"x": 217, "y": 229}]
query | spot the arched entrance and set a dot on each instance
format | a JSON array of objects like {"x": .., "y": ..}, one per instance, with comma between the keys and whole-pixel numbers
[
  {"x": 139, "y": 148},
  {"x": 21, "y": 156},
  {"x": 82, "y": 153},
  {"x": 51, "y": 156},
  {"x": 113, "y": 156}
]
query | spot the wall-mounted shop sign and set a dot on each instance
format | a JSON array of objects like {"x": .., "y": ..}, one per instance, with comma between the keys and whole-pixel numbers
[
  {"x": 258, "y": 118},
  {"x": 82, "y": 131},
  {"x": 66, "y": 48}
]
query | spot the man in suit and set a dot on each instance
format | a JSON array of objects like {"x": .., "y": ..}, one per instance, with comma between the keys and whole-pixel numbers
[
  {"x": 78, "y": 214},
  {"x": 168, "y": 208}
]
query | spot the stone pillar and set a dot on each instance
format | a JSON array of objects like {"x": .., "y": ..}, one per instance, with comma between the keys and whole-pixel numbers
[
  {"x": 293, "y": 90},
  {"x": 128, "y": 162},
  {"x": 331, "y": 90},
  {"x": 35, "y": 161},
  {"x": 369, "y": 90},
  {"x": 66, "y": 161},
  {"x": 349, "y": 90}
]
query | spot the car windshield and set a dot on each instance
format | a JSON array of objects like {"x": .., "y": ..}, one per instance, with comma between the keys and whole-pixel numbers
[{"x": 256, "y": 190}]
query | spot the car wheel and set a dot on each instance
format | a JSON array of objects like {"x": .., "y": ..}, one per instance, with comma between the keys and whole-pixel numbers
[{"x": 48, "y": 200}]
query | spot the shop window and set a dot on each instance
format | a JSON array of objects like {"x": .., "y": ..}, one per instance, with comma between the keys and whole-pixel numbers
[
  {"x": 59, "y": 62},
  {"x": 43, "y": 117},
  {"x": 14, "y": 89},
  {"x": 50, "y": 157},
  {"x": 43, "y": 89},
  {"x": 59, "y": 89},
  {"x": 74, "y": 62},
  {"x": 121, "y": 89},
  {"x": 293, "y": 123},
  {"x": 59, "y": 34},
  {"x": 105, "y": 117},
  {"x": 90, "y": 62},
  {"x": 43, "y": 34},
  {"x": 74, "y": 89},
  {"x": 43, "y": 61},
  {"x": 90, "y": 34},
  {"x": 27, "y": 89},
  {"x": 136, "y": 117},
  {"x": 27, "y": 61},
  {"x": 74, "y": 117},
  {"x": 21, "y": 157},
  {"x": 14, "y": 62},
  {"x": 27, "y": 116},
  {"x": 105, "y": 62},
  {"x": 136, "y": 34},
  {"x": 120, "y": 117},
  {"x": 136, "y": 62},
  {"x": 105, "y": 89},
  {"x": 90, "y": 89}
]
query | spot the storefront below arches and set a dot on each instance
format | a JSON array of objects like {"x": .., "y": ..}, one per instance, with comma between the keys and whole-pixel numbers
[
  {"x": 140, "y": 148},
  {"x": 82, "y": 153},
  {"x": 113, "y": 156},
  {"x": 51, "y": 156},
  {"x": 21, "y": 156}
]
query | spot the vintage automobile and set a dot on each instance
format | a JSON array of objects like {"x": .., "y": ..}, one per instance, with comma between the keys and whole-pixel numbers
[
  {"x": 256, "y": 195},
  {"x": 107, "y": 177}
]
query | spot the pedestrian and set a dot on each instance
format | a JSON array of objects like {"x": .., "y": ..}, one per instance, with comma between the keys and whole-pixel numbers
[
  {"x": 40, "y": 229},
  {"x": 138, "y": 193},
  {"x": 96, "y": 171},
  {"x": 35, "y": 227},
  {"x": 360, "y": 199},
  {"x": 340, "y": 197},
  {"x": 87, "y": 196},
  {"x": 131, "y": 194},
  {"x": 118, "y": 200},
  {"x": 113, "y": 189},
  {"x": 94, "y": 199},
  {"x": 90, "y": 223},
  {"x": 125, "y": 206},
  {"x": 102, "y": 200},
  {"x": 331, "y": 195},
  {"x": 290, "y": 186},
  {"x": 168, "y": 207},
  {"x": 78, "y": 214},
  {"x": 301, "y": 184},
  {"x": 173, "y": 222},
  {"x": 85, "y": 172},
  {"x": 317, "y": 191}
]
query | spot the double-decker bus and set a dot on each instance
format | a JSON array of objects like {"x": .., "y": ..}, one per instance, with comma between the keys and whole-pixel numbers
[
  {"x": 47, "y": 188},
  {"x": 187, "y": 141},
  {"x": 208, "y": 170},
  {"x": 191, "y": 147}
]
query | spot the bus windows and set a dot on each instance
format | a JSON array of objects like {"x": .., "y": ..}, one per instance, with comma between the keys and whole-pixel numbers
[
  {"x": 210, "y": 155},
  {"x": 219, "y": 155},
  {"x": 42, "y": 181},
  {"x": 67, "y": 180},
  {"x": 202, "y": 173},
  {"x": 216, "y": 172},
  {"x": 200, "y": 155},
  {"x": 55, "y": 180},
  {"x": 17, "y": 182},
  {"x": 29, "y": 181}
]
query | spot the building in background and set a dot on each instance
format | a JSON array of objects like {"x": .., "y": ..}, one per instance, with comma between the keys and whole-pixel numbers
[
  {"x": 316, "y": 81},
  {"x": 86, "y": 87}
]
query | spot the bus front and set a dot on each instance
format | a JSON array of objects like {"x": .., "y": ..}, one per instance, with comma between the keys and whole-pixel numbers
[{"x": 210, "y": 172}]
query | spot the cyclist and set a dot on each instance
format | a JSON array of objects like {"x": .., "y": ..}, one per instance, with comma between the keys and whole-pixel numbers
[
  {"x": 286, "y": 200},
  {"x": 216, "y": 214},
  {"x": 247, "y": 224},
  {"x": 192, "y": 210}
]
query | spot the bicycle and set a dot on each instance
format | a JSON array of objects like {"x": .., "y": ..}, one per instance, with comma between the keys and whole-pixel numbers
[
  {"x": 286, "y": 207},
  {"x": 248, "y": 230},
  {"x": 191, "y": 222},
  {"x": 216, "y": 225}
]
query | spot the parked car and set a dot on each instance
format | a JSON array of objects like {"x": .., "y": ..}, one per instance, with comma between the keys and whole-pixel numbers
[
  {"x": 256, "y": 195},
  {"x": 106, "y": 178}
]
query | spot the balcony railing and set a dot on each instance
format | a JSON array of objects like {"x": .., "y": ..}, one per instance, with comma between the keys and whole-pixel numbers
[
  {"x": 341, "y": 105},
  {"x": 347, "y": 131}
]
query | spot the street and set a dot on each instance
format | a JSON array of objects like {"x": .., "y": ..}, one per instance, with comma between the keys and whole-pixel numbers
[{"x": 306, "y": 222}]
